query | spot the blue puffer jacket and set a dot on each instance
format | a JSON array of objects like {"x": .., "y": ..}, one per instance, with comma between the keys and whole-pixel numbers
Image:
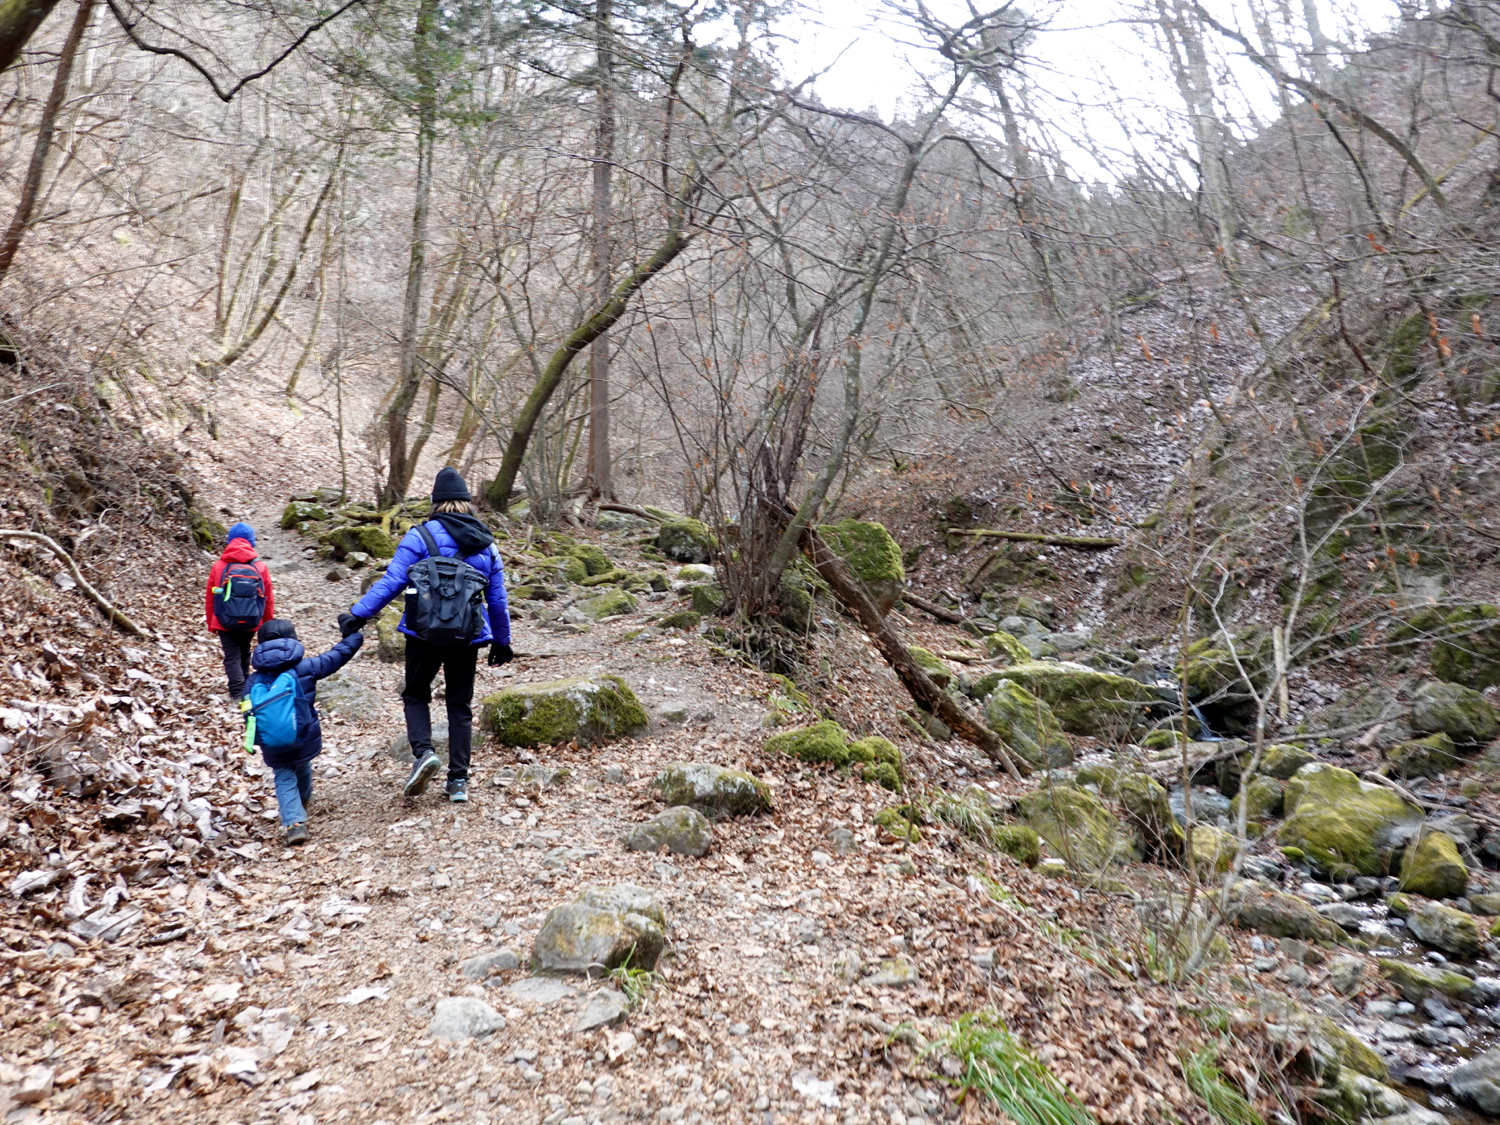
[
  {"x": 413, "y": 550},
  {"x": 272, "y": 658}
]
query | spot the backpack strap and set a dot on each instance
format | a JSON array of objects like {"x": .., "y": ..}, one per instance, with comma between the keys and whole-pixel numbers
[{"x": 432, "y": 547}]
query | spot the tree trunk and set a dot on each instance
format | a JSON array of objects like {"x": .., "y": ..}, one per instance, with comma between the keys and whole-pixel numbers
[
  {"x": 402, "y": 466},
  {"x": 600, "y": 482},
  {"x": 19, "y": 20},
  {"x": 32, "y": 185}
]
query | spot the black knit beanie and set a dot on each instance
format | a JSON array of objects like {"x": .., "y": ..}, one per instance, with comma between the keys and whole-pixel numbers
[
  {"x": 449, "y": 486},
  {"x": 275, "y": 629}
]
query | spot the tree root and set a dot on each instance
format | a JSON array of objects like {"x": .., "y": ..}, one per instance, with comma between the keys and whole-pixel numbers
[{"x": 83, "y": 584}]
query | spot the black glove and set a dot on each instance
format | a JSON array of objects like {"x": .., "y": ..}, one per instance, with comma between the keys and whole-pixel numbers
[
  {"x": 500, "y": 654},
  {"x": 348, "y": 623}
]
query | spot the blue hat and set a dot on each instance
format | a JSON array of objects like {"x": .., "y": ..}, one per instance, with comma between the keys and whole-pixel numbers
[{"x": 241, "y": 531}]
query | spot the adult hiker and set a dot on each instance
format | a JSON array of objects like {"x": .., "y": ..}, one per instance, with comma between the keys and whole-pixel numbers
[
  {"x": 455, "y": 605},
  {"x": 238, "y": 600}
]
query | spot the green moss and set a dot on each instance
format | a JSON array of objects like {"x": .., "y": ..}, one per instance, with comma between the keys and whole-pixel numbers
[
  {"x": 1262, "y": 798},
  {"x": 300, "y": 511},
  {"x": 1027, "y": 725},
  {"x": 877, "y": 761},
  {"x": 1433, "y": 868},
  {"x": 595, "y": 561},
  {"x": 1208, "y": 669},
  {"x": 686, "y": 541},
  {"x": 938, "y": 672},
  {"x": 1454, "y": 710},
  {"x": 1161, "y": 739},
  {"x": 612, "y": 604},
  {"x": 1085, "y": 701},
  {"x": 707, "y": 600},
  {"x": 1423, "y": 757},
  {"x": 1001, "y": 643},
  {"x": 1282, "y": 760},
  {"x": 588, "y": 709},
  {"x": 822, "y": 742},
  {"x": 872, "y": 555},
  {"x": 390, "y": 640},
  {"x": 1076, "y": 826},
  {"x": 1211, "y": 851},
  {"x": 1403, "y": 348},
  {"x": 207, "y": 533},
  {"x": 1343, "y": 824},
  {"x": 1149, "y": 811},
  {"x": 565, "y": 568},
  {"x": 684, "y": 619},
  {"x": 883, "y": 774},
  {"x": 362, "y": 537},
  {"x": 712, "y": 790},
  {"x": 1419, "y": 982},
  {"x": 1019, "y": 842},
  {"x": 898, "y": 824},
  {"x": 658, "y": 581},
  {"x": 615, "y": 577},
  {"x": 790, "y": 689}
]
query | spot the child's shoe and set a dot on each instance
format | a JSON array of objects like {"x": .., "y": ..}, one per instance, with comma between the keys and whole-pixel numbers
[
  {"x": 458, "y": 790},
  {"x": 296, "y": 834},
  {"x": 423, "y": 770}
]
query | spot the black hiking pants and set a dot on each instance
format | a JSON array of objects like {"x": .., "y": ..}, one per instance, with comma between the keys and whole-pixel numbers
[
  {"x": 237, "y": 648},
  {"x": 457, "y": 663}
]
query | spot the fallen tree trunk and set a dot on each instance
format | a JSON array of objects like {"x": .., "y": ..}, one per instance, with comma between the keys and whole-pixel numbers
[
  {"x": 851, "y": 592},
  {"x": 932, "y": 608},
  {"x": 629, "y": 510},
  {"x": 92, "y": 594},
  {"x": 1088, "y": 542}
]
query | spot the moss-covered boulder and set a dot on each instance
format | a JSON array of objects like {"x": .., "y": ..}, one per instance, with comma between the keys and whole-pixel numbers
[
  {"x": 938, "y": 672},
  {"x": 1001, "y": 643},
  {"x": 300, "y": 511},
  {"x": 1282, "y": 760},
  {"x": 1020, "y": 842},
  {"x": 584, "y": 708},
  {"x": 1148, "y": 808},
  {"x": 872, "y": 555},
  {"x": 1423, "y": 757},
  {"x": 359, "y": 537},
  {"x": 712, "y": 790},
  {"x": 686, "y": 541},
  {"x": 615, "y": 577},
  {"x": 1208, "y": 667},
  {"x": 1210, "y": 851},
  {"x": 594, "y": 560},
  {"x": 681, "y": 830},
  {"x": 562, "y": 568},
  {"x": 822, "y": 742},
  {"x": 684, "y": 619},
  {"x": 877, "y": 760},
  {"x": 1469, "y": 654},
  {"x": 1345, "y": 825},
  {"x": 1027, "y": 725},
  {"x": 611, "y": 604},
  {"x": 1085, "y": 700},
  {"x": 1262, "y": 799},
  {"x": 696, "y": 572},
  {"x": 1076, "y": 826},
  {"x": 707, "y": 599},
  {"x": 1459, "y": 712},
  {"x": 899, "y": 823},
  {"x": 1417, "y": 982},
  {"x": 390, "y": 640},
  {"x": 1443, "y": 927},
  {"x": 602, "y": 929},
  {"x": 1431, "y": 867},
  {"x": 1255, "y": 906}
]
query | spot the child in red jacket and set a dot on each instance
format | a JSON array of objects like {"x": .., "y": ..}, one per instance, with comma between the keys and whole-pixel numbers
[{"x": 239, "y": 598}]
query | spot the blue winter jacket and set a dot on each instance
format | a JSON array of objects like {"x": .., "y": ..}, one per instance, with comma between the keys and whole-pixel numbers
[
  {"x": 273, "y": 658},
  {"x": 413, "y": 550}
]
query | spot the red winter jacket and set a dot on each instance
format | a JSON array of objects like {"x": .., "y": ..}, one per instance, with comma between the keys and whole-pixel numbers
[{"x": 237, "y": 551}]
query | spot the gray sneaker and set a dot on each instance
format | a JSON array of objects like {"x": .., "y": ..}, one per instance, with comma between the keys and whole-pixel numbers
[
  {"x": 423, "y": 770},
  {"x": 458, "y": 790},
  {"x": 296, "y": 834}
]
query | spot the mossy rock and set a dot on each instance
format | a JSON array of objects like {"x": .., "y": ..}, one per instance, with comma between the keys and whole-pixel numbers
[
  {"x": 707, "y": 600},
  {"x": 390, "y": 640},
  {"x": 1076, "y": 826},
  {"x": 1148, "y": 809},
  {"x": 684, "y": 619},
  {"x": 1211, "y": 851},
  {"x": 824, "y": 742},
  {"x": 602, "y": 929},
  {"x": 595, "y": 561},
  {"x": 1020, "y": 842},
  {"x": 586, "y": 708},
  {"x": 615, "y": 577},
  {"x": 877, "y": 761},
  {"x": 612, "y": 604},
  {"x": 1262, "y": 797},
  {"x": 360, "y": 537},
  {"x": 712, "y": 790},
  {"x": 1457, "y": 711},
  {"x": 681, "y": 830},
  {"x": 1164, "y": 739},
  {"x": 300, "y": 511},
  {"x": 872, "y": 555},
  {"x": 696, "y": 572},
  {"x": 938, "y": 672},
  {"x": 1444, "y": 927},
  {"x": 1256, "y": 907},
  {"x": 1282, "y": 760},
  {"x": 1084, "y": 700},
  {"x": 1208, "y": 670},
  {"x": 899, "y": 824},
  {"x": 1027, "y": 725},
  {"x": 1433, "y": 868},
  {"x": 1344, "y": 825},
  {"x": 563, "y": 568},
  {"x": 790, "y": 689},
  {"x": 1001, "y": 643},
  {"x": 208, "y": 533},
  {"x": 1469, "y": 654},
  {"x": 686, "y": 541},
  {"x": 1423, "y": 757},
  {"x": 1416, "y": 982},
  {"x": 794, "y": 606}
]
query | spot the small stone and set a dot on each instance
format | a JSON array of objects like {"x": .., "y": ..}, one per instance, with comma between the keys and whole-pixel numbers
[
  {"x": 1392, "y": 1032},
  {"x": 338, "y": 573},
  {"x": 539, "y": 990},
  {"x": 1350, "y": 917},
  {"x": 983, "y": 960},
  {"x": 821, "y": 859},
  {"x": 843, "y": 842},
  {"x": 1294, "y": 975},
  {"x": 738, "y": 1029},
  {"x": 441, "y": 881},
  {"x": 604, "y": 1009},
  {"x": 487, "y": 964},
  {"x": 59, "y": 950},
  {"x": 35, "y": 1085},
  {"x": 1264, "y": 964},
  {"x": 1346, "y": 974},
  {"x": 615, "y": 775},
  {"x": 896, "y": 973},
  {"x": 681, "y": 830},
  {"x": 463, "y": 1017}
]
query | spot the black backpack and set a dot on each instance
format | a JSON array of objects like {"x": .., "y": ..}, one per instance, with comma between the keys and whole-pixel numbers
[{"x": 444, "y": 597}]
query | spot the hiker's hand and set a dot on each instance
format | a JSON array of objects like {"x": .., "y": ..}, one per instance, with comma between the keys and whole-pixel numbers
[
  {"x": 500, "y": 654},
  {"x": 348, "y": 624}
]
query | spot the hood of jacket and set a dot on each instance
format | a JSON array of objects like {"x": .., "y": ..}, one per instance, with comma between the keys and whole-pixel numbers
[
  {"x": 468, "y": 532},
  {"x": 239, "y": 550},
  {"x": 272, "y": 656}
]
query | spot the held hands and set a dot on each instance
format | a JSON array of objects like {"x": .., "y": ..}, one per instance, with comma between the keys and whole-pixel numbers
[
  {"x": 500, "y": 654},
  {"x": 348, "y": 624}
]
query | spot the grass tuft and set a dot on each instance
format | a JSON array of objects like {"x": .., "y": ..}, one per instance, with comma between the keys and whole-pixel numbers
[
  {"x": 636, "y": 984},
  {"x": 1227, "y": 1104},
  {"x": 997, "y": 1064}
]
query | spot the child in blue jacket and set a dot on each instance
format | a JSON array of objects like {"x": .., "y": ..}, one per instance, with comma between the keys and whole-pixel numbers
[{"x": 280, "y": 650}]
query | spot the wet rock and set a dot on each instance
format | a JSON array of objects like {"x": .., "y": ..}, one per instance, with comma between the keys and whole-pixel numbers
[
  {"x": 602, "y": 929},
  {"x": 712, "y": 790},
  {"x": 1477, "y": 1082},
  {"x": 1459, "y": 712},
  {"x": 463, "y": 1017},
  {"x": 1350, "y": 917},
  {"x": 1432, "y": 867},
  {"x": 586, "y": 708},
  {"x": 1345, "y": 825},
  {"x": 1270, "y": 912},
  {"x": 1417, "y": 982},
  {"x": 604, "y": 1009},
  {"x": 1027, "y": 725},
  {"x": 1447, "y": 929},
  {"x": 681, "y": 830}
]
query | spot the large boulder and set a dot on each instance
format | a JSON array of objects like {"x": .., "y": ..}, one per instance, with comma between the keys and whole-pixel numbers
[
  {"x": 1423, "y": 757},
  {"x": 1469, "y": 654},
  {"x": 1459, "y": 712},
  {"x": 611, "y": 604},
  {"x": 561, "y": 568},
  {"x": 1211, "y": 668},
  {"x": 1345, "y": 825},
  {"x": 872, "y": 555},
  {"x": 594, "y": 560},
  {"x": 938, "y": 672},
  {"x": 359, "y": 537},
  {"x": 1431, "y": 867},
  {"x": 1085, "y": 700},
  {"x": 1477, "y": 1082},
  {"x": 301, "y": 511},
  {"x": 686, "y": 541},
  {"x": 1076, "y": 826},
  {"x": 1148, "y": 809},
  {"x": 1000, "y": 643},
  {"x": 1027, "y": 725},
  {"x": 348, "y": 697},
  {"x": 586, "y": 708},
  {"x": 1417, "y": 982},
  {"x": 1255, "y": 906},
  {"x": 1282, "y": 760},
  {"x": 1211, "y": 851},
  {"x": 602, "y": 929},
  {"x": 1262, "y": 799},
  {"x": 712, "y": 790},
  {"x": 681, "y": 830},
  {"x": 1443, "y": 927}
]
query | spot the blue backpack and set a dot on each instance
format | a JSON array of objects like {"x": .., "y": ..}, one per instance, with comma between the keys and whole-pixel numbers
[
  {"x": 273, "y": 708},
  {"x": 240, "y": 597}
]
